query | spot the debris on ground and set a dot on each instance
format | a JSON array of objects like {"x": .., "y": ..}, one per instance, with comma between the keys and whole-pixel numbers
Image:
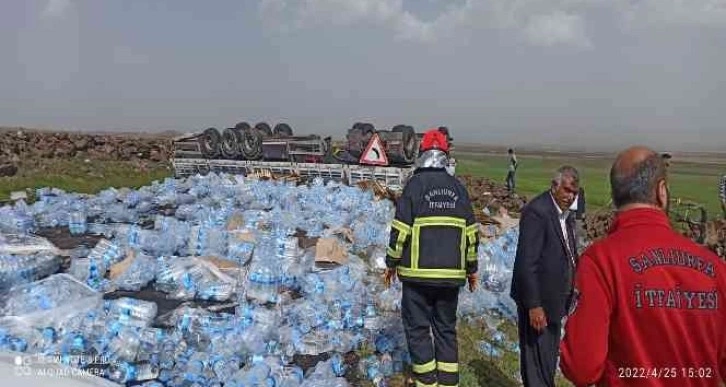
[
  {"x": 216, "y": 279},
  {"x": 488, "y": 194},
  {"x": 597, "y": 224},
  {"x": 716, "y": 237}
]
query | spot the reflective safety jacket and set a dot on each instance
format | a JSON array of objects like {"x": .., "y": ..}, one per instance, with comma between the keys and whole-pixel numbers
[{"x": 434, "y": 235}]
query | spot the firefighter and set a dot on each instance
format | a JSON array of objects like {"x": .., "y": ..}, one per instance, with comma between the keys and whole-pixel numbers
[
  {"x": 648, "y": 307},
  {"x": 433, "y": 251}
]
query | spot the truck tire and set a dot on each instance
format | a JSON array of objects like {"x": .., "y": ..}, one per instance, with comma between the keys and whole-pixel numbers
[
  {"x": 251, "y": 145},
  {"x": 282, "y": 130},
  {"x": 408, "y": 139},
  {"x": 230, "y": 144},
  {"x": 210, "y": 143},
  {"x": 239, "y": 131},
  {"x": 367, "y": 130},
  {"x": 242, "y": 126},
  {"x": 264, "y": 128}
]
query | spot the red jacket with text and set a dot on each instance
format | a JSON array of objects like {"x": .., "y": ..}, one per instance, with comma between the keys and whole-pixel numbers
[{"x": 649, "y": 309}]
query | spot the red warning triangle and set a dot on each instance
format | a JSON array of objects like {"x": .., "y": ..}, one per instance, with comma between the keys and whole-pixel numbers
[{"x": 374, "y": 153}]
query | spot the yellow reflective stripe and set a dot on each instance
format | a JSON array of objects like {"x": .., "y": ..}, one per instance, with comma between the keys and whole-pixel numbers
[
  {"x": 442, "y": 220},
  {"x": 462, "y": 248},
  {"x": 400, "y": 226},
  {"x": 471, "y": 232},
  {"x": 432, "y": 273},
  {"x": 447, "y": 367},
  {"x": 393, "y": 253},
  {"x": 422, "y": 384},
  {"x": 403, "y": 231},
  {"x": 448, "y": 385},
  {"x": 415, "y": 236},
  {"x": 424, "y": 368},
  {"x": 400, "y": 241}
]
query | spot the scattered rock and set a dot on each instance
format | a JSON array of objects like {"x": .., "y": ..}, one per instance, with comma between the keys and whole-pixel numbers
[
  {"x": 8, "y": 169},
  {"x": 489, "y": 194},
  {"x": 30, "y": 144}
]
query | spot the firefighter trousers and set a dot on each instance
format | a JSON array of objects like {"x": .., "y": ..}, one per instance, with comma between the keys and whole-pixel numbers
[{"x": 428, "y": 310}]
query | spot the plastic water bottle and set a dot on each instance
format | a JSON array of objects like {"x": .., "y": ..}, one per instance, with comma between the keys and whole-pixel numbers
[
  {"x": 216, "y": 291},
  {"x": 339, "y": 367},
  {"x": 126, "y": 308},
  {"x": 77, "y": 223},
  {"x": 107, "y": 251}
]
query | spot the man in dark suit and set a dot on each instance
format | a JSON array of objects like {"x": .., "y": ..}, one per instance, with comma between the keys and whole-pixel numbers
[{"x": 543, "y": 276}]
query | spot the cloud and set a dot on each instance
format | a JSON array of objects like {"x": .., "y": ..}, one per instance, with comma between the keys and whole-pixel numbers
[
  {"x": 55, "y": 9},
  {"x": 539, "y": 22},
  {"x": 557, "y": 28},
  {"x": 673, "y": 12},
  {"x": 519, "y": 16}
]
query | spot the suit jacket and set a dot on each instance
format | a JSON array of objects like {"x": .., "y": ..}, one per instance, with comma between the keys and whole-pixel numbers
[{"x": 543, "y": 267}]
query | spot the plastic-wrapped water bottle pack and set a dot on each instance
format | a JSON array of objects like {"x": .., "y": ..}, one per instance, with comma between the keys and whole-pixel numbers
[
  {"x": 161, "y": 237},
  {"x": 496, "y": 262}
]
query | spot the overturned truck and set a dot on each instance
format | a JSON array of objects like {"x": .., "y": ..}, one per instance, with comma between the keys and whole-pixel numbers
[{"x": 385, "y": 156}]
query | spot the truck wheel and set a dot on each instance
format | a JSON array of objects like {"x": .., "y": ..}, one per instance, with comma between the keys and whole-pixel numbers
[
  {"x": 408, "y": 139},
  {"x": 242, "y": 126},
  {"x": 210, "y": 143},
  {"x": 239, "y": 132},
  {"x": 282, "y": 130},
  {"x": 353, "y": 142},
  {"x": 264, "y": 128},
  {"x": 251, "y": 145},
  {"x": 367, "y": 130},
  {"x": 230, "y": 145}
]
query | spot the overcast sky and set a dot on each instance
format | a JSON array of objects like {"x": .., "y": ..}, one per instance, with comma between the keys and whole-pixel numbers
[{"x": 594, "y": 73}]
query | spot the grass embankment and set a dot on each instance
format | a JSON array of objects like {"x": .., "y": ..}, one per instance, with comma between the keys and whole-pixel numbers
[
  {"x": 690, "y": 181},
  {"x": 80, "y": 176}
]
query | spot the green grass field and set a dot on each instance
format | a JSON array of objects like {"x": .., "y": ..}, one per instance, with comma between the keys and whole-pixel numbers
[
  {"x": 691, "y": 181},
  {"x": 82, "y": 177}
]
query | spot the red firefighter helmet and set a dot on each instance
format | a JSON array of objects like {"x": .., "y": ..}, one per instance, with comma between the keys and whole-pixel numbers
[{"x": 434, "y": 139}]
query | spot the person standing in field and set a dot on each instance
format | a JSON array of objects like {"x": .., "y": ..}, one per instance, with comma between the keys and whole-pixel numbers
[
  {"x": 511, "y": 170},
  {"x": 722, "y": 194},
  {"x": 649, "y": 302},
  {"x": 542, "y": 280}
]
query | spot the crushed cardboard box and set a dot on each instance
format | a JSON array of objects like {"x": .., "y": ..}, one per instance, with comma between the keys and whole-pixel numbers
[
  {"x": 243, "y": 235},
  {"x": 235, "y": 222},
  {"x": 330, "y": 250},
  {"x": 119, "y": 268},
  {"x": 221, "y": 263}
]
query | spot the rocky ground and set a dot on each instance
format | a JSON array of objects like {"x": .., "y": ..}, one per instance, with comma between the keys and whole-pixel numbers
[{"x": 19, "y": 146}]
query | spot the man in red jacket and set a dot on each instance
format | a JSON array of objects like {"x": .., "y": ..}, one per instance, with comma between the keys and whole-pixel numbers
[{"x": 650, "y": 308}]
